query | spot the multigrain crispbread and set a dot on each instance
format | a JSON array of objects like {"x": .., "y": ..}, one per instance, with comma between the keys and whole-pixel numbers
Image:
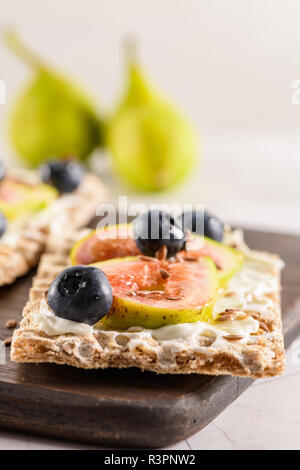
[
  {"x": 19, "y": 259},
  {"x": 68, "y": 213},
  {"x": 182, "y": 349}
]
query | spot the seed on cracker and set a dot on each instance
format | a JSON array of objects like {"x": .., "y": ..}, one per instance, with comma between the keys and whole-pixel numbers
[
  {"x": 161, "y": 254},
  {"x": 233, "y": 337},
  {"x": 227, "y": 317},
  {"x": 164, "y": 274},
  {"x": 11, "y": 323},
  {"x": 263, "y": 325},
  {"x": 7, "y": 341},
  {"x": 147, "y": 258}
]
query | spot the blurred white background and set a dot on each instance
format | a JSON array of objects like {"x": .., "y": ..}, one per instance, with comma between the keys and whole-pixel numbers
[{"x": 229, "y": 64}]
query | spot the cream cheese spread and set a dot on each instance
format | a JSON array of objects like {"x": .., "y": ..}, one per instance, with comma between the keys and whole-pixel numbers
[
  {"x": 54, "y": 217},
  {"x": 53, "y": 325},
  {"x": 13, "y": 232},
  {"x": 12, "y": 235}
]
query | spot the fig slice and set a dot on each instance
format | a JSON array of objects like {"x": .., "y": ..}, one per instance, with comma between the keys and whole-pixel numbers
[
  {"x": 113, "y": 241},
  {"x": 227, "y": 259},
  {"x": 116, "y": 241},
  {"x": 18, "y": 198},
  {"x": 144, "y": 296}
]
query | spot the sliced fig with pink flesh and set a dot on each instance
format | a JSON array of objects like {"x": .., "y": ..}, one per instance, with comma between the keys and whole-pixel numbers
[
  {"x": 18, "y": 199},
  {"x": 117, "y": 241},
  {"x": 143, "y": 295}
]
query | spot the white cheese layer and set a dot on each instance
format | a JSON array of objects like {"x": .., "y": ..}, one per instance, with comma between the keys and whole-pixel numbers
[
  {"x": 54, "y": 217},
  {"x": 12, "y": 235},
  {"x": 53, "y": 325}
]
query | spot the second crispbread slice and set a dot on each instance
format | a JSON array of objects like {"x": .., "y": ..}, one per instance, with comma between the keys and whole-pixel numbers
[
  {"x": 18, "y": 260},
  {"x": 264, "y": 357},
  {"x": 69, "y": 212}
]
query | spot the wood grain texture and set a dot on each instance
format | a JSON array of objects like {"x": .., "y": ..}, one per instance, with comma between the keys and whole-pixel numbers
[{"x": 126, "y": 407}]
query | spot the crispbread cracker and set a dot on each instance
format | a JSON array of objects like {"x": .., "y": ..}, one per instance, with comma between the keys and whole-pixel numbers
[
  {"x": 102, "y": 349},
  {"x": 17, "y": 260}
]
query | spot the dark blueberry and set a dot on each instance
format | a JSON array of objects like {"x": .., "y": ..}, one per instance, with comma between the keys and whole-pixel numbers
[
  {"x": 3, "y": 224},
  {"x": 203, "y": 224},
  {"x": 81, "y": 293},
  {"x": 213, "y": 227},
  {"x": 63, "y": 175},
  {"x": 2, "y": 171},
  {"x": 193, "y": 221},
  {"x": 156, "y": 228}
]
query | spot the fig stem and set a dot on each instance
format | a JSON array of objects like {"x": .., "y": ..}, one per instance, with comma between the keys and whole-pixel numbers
[
  {"x": 15, "y": 44},
  {"x": 138, "y": 90},
  {"x": 130, "y": 48}
]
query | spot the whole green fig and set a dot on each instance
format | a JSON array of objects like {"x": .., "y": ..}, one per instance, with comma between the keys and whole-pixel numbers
[
  {"x": 152, "y": 144},
  {"x": 52, "y": 117}
]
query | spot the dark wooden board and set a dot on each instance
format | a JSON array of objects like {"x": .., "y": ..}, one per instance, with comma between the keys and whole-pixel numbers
[{"x": 123, "y": 408}]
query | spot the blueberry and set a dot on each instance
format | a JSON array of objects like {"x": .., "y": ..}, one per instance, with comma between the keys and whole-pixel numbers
[
  {"x": 81, "y": 293},
  {"x": 2, "y": 171},
  {"x": 193, "y": 221},
  {"x": 63, "y": 175},
  {"x": 156, "y": 228},
  {"x": 203, "y": 224},
  {"x": 3, "y": 224}
]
